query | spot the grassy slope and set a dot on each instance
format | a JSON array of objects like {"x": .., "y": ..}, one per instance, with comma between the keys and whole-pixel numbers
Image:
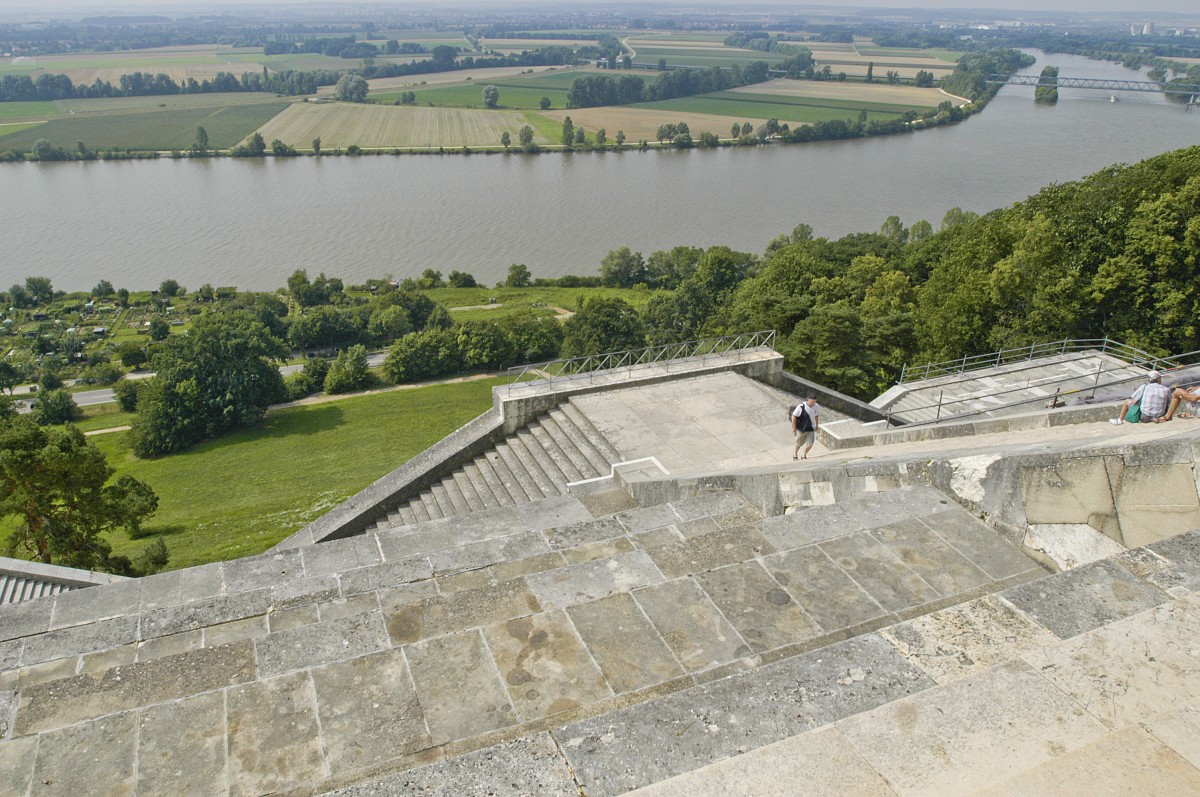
[
  {"x": 151, "y": 130},
  {"x": 289, "y": 470}
]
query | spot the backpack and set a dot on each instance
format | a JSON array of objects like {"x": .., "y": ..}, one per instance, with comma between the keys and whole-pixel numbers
[{"x": 803, "y": 420}]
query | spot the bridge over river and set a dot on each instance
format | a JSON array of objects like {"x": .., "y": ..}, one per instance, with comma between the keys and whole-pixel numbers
[{"x": 1192, "y": 89}]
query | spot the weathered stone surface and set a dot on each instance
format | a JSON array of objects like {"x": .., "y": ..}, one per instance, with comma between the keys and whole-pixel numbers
[
  {"x": 459, "y": 687},
  {"x": 603, "y": 549},
  {"x": 202, "y": 613},
  {"x": 274, "y": 736},
  {"x": 589, "y": 531},
  {"x": 879, "y": 571},
  {"x": 738, "y": 517},
  {"x": 504, "y": 571},
  {"x": 693, "y": 628},
  {"x": 388, "y": 574},
  {"x": 89, "y": 758},
  {"x": 763, "y": 612},
  {"x": 927, "y": 555},
  {"x": 624, "y": 643},
  {"x": 818, "y": 584},
  {"x": 560, "y": 510},
  {"x": 604, "y": 498},
  {"x": 172, "y": 645},
  {"x": 96, "y": 603},
  {"x": 369, "y": 711},
  {"x": 16, "y": 764},
  {"x": 818, "y": 762},
  {"x": 25, "y": 618},
  {"x": 1075, "y": 490},
  {"x": 300, "y": 591},
  {"x": 68, "y": 700},
  {"x": 294, "y": 617},
  {"x": 225, "y": 633},
  {"x": 1129, "y": 670},
  {"x": 340, "y": 608},
  {"x": 718, "y": 503},
  {"x": 642, "y": 744},
  {"x": 697, "y": 527},
  {"x": 489, "y": 552},
  {"x": 70, "y": 642},
  {"x": 705, "y": 552},
  {"x": 971, "y": 733},
  {"x": 955, "y": 642},
  {"x": 648, "y": 519},
  {"x": 1155, "y": 502},
  {"x": 1070, "y": 545},
  {"x": 986, "y": 549},
  {"x": 567, "y": 586},
  {"x": 182, "y": 586},
  {"x": 1179, "y": 729},
  {"x": 181, "y": 747},
  {"x": 1129, "y": 762},
  {"x": 444, "y": 614},
  {"x": 521, "y": 768},
  {"x": 321, "y": 643},
  {"x": 337, "y": 556},
  {"x": 545, "y": 665},
  {"x": 1183, "y": 552},
  {"x": 1085, "y": 598},
  {"x": 809, "y": 526},
  {"x": 253, "y": 572}
]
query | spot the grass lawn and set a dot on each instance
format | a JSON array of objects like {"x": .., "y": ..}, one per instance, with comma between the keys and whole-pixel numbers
[
  {"x": 103, "y": 416},
  {"x": 516, "y": 300},
  {"x": 240, "y": 495},
  {"x": 153, "y": 129}
]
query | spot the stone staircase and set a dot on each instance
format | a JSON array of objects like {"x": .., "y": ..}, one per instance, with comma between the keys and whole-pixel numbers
[
  {"x": 539, "y": 461},
  {"x": 540, "y": 622}
]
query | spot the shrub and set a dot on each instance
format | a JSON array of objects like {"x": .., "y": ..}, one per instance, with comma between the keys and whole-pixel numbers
[
  {"x": 126, "y": 391},
  {"x": 423, "y": 355},
  {"x": 55, "y": 406},
  {"x": 349, "y": 371},
  {"x": 100, "y": 374}
]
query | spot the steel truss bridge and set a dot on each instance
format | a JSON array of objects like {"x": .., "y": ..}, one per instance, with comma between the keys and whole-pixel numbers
[{"x": 1095, "y": 83}]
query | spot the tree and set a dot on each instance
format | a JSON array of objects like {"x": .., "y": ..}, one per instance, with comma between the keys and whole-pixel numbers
[
  {"x": 525, "y": 136},
  {"x": 622, "y": 268},
  {"x": 219, "y": 377},
  {"x": 131, "y": 353},
  {"x": 103, "y": 289},
  {"x": 544, "y": 103},
  {"x": 924, "y": 79},
  {"x": 388, "y": 324},
  {"x": 580, "y": 137},
  {"x": 39, "y": 289},
  {"x": 620, "y": 139},
  {"x": 491, "y": 96},
  {"x": 603, "y": 325},
  {"x": 9, "y": 376},
  {"x": 54, "y": 482},
  {"x": 423, "y": 355},
  {"x": 350, "y": 88},
  {"x": 568, "y": 132},
  {"x": 484, "y": 344},
  {"x": 282, "y": 150},
  {"x": 170, "y": 289},
  {"x": 55, "y": 407},
  {"x": 518, "y": 276},
  {"x": 349, "y": 371},
  {"x": 461, "y": 279},
  {"x": 870, "y": 73},
  {"x": 123, "y": 297},
  {"x": 601, "y": 137},
  {"x": 736, "y": 130},
  {"x": 747, "y": 128},
  {"x": 431, "y": 278},
  {"x": 662, "y": 65},
  {"x": 666, "y": 132},
  {"x": 126, "y": 393},
  {"x": 316, "y": 145},
  {"x": 505, "y": 140},
  {"x": 200, "y": 145},
  {"x": 159, "y": 329},
  {"x": 893, "y": 77}
]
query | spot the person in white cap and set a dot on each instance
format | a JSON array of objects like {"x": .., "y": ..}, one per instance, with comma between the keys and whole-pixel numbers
[{"x": 1154, "y": 397}]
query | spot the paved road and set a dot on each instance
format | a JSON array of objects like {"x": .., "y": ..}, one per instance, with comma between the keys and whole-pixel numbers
[{"x": 87, "y": 398}]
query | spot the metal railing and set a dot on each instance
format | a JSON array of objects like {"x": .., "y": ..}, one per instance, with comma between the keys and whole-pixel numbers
[
  {"x": 592, "y": 365},
  {"x": 944, "y": 413},
  {"x": 965, "y": 364}
]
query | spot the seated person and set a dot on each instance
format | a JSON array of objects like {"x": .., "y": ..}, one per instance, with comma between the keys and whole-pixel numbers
[
  {"x": 1187, "y": 395},
  {"x": 1154, "y": 396}
]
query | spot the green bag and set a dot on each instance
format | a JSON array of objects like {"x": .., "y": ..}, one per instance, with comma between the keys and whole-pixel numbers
[{"x": 1135, "y": 413}]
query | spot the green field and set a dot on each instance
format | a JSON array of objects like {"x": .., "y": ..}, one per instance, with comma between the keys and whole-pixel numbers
[
  {"x": 813, "y": 102},
  {"x": 26, "y": 110},
  {"x": 151, "y": 130},
  {"x": 11, "y": 128},
  {"x": 785, "y": 109},
  {"x": 511, "y": 97},
  {"x": 289, "y": 470},
  {"x": 520, "y": 300},
  {"x": 703, "y": 56}
]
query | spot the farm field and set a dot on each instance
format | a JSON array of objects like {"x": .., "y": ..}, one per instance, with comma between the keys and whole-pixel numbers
[
  {"x": 428, "y": 38},
  {"x": 405, "y": 82},
  {"x": 900, "y": 52},
  {"x": 8, "y": 128},
  {"x": 517, "y": 45},
  {"x": 857, "y": 93},
  {"x": 27, "y": 110},
  {"x": 642, "y": 122},
  {"x": 702, "y": 55},
  {"x": 520, "y": 92},
  {"x": 343, "y": 124},
  {"x": 734, "y": 107},
  {"x": 157, "y": 129}
]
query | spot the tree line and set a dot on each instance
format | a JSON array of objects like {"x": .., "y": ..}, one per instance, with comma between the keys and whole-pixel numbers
[{"x": 588, "y": 91}]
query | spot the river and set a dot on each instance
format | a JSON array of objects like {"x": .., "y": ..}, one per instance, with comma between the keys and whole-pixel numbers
[{"x": 250, "y": 223}]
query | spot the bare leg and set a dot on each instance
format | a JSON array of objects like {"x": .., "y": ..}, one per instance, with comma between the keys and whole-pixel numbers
[{"x": 1121, "y": 415}]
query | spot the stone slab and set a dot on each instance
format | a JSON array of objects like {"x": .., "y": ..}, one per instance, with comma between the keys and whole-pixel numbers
[
  {"x": 521, "y": 768},
  {"x": 1070, "y": 545},
  {"x": 603, "y": 549},
  {"x": 25, "y": 618},
  {"x": 971, "y": 733},
  {"x": 503, "y": 571},
  {"x": 444, "y": 614},
  {"x": 337, "y": 556},
  {"x": 710, "y": 505},
  {"x": 984, "y": 546},
  {"x": 68, "y": 700},
  {"x": 489, "y": 552},
  {"x": 1079, "y": 600},
  {"x": 879, "y": 571},
  {"x": 831, "y": 598},
  {"x": 181, "y": 747},
  {"x": 252, "y": 572},
  {"x": 549, "y": 513},
  {"x": 642, "y": 744},
  {"x": 809, "y": 526},
  {"x": 624, "y": 643},
  {"x": 697, "y": 527},
  {"x": 955, "y": 642},
  {"x": 459, "y": 687},
  {"x": 369, "y": 711},
  {"x": 274, "y": 735},
  {"x": 545, "y": 665},
  {"x": 637, "y": 521},
  {"x": 96, "y": 603},
  {"x": 88, "y": 758},
  {"x": 1183, "y": 552},
  {"x": 593, "y": 580},
  {"x": 388, "y": 574},
  {"x": 223, "y": 634},
  {"x": 821, "y": 762},
  {"x": 763, "y": 612},
  {"x": 696, "y": 632},
  {"x": 1128, "y": 763},
  {"x": 321, "y": 643},
  {"x": 930, "y": 557},
  {"x": 707, "y": 551},
  {"x": 294, "y": 617},
  {"x": 16, "y": 764},
  {"x": 589, "y": 531},
  {"x": 177, "y": 587},
  {"x": 1130, "y": 670},
  {"x": 202, "y": 613},
  {"x": 1180, "y": 730},
  {"x": 72, "y": 641}
]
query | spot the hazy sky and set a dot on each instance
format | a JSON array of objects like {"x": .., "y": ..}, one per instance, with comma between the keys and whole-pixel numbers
[{"x": 1142, "y": 8}]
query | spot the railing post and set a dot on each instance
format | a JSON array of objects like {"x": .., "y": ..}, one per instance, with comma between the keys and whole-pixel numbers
[
  {"x": 1096, "y": 383},
  {"x": 939, "y": 406}
]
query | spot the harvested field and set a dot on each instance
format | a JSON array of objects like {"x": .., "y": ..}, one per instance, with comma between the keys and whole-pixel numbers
[
  {"x": 855, "y": 92},
  {"x": 518, "y": 45},
  {"x": 702, "y": 56},
  {"x": 341, "y": 124},
  {"x": 643, "y": 123},
  {"x": 385, "y": 84},
  {"x": 859, "y": 69}
]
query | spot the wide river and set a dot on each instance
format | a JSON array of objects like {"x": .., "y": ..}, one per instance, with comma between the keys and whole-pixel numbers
[{"x": 251, "y": 223}]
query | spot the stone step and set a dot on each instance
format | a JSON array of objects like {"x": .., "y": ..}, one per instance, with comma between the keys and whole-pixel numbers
[
  {"x": 482, "y": 488},
  {"x": 469, "y": 493},
  {"x": 590, "y": 432},
  {"x": 597, "y": 464},
  {"x": 543, "y": 460},
  {"x": 531, "y": 467},
  {"x": 549, "y": 445},
  {"x": 445, "y": 505},
  {"x": 524, "y": 479},
  {"x": 494, "y": 482},
  {"x": 568, "y": 446},
  {"x": 431, "y": 505},
  {"x": 455, "y": 496}
]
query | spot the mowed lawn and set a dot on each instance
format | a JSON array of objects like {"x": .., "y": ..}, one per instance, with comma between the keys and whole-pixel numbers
[
  {"x": 157, "y": 129},
  {"x": 339, "y": 125},
  {"x": 242, "y": 494}
]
